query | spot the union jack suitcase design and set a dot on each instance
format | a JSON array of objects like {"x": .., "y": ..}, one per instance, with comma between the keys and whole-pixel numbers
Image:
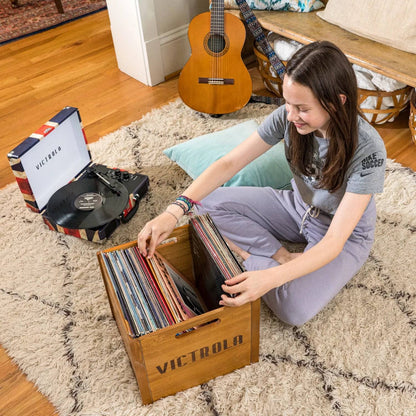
[{"x": 53, "y": 166}]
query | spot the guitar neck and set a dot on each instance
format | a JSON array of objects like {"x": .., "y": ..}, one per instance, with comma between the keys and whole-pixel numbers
[{"x": 217, "y": 17}]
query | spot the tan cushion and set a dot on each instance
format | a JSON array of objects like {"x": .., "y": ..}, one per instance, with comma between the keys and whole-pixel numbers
[{"x": 391, "y": 22}]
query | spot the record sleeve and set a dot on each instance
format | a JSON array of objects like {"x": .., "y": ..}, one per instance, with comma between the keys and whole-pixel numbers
[
  {"x": 189, "y": 300},
  {"x": 148, "y": 295},
  {"x": 213, "y": 261},
  {"x": 137, "y": 318},
  {"x": 133, "y": 331}
]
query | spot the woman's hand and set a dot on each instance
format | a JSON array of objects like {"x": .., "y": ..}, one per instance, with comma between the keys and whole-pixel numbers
[
  {"x": 157, "y": 230},
  {"x": 247, "y": 287}
]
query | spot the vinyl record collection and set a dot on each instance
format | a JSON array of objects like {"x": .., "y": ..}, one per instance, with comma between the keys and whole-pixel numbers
[
  {"x": 151, "y": 292},
  {"x": 154, "y": 295},
  {"x": 213, "y": 261}
]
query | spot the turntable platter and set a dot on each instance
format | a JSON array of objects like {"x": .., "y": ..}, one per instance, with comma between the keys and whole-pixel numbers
[{"x": 87, "y": 203}]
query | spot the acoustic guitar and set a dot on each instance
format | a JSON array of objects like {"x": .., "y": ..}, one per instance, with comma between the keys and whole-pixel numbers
[{"x": 215, "y": 79}]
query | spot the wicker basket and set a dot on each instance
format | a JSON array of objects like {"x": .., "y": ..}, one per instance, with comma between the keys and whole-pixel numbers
[
  {"x": 375, "y": 115},
  {"x": 378, "y": 115},
  {"x": 271, "y": 80},
  {"x": 412, "y": 116}
]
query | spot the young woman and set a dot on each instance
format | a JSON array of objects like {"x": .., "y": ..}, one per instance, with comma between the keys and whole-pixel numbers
[{"x": 338, "y": 163}]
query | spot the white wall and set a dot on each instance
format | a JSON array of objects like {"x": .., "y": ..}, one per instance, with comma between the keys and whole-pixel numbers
[{"x": 150, "y": 36}]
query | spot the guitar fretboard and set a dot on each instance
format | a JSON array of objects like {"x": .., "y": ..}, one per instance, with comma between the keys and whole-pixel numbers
[{"x": 217, "y": 17}]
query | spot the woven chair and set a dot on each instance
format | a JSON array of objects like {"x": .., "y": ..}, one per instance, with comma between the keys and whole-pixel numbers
[{"x": 57, "y": 2}]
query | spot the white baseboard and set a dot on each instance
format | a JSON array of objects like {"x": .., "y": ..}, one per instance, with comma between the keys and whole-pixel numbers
[{"x": 175, "y": 50}]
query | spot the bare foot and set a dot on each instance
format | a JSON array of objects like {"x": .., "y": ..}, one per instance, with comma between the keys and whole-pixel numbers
[
  {"x": 242, "y": 253},
  {"x": 283, "y": 256}
]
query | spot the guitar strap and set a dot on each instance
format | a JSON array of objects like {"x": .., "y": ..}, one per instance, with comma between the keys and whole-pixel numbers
[{"x": 266, "y": 48}]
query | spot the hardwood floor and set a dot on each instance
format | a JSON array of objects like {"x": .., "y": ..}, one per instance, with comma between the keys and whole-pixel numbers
[
  {"x": 72, "y": 65},
  {"x": 75, "y": 65}
]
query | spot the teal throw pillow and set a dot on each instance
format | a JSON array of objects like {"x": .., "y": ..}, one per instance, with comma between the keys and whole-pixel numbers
[{"x": 270, "y": 169}]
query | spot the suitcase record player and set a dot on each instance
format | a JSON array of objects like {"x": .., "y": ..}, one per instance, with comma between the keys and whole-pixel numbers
[{"x": 75, "y": 196}]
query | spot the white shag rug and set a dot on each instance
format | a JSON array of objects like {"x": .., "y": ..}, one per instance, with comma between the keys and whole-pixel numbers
[{"x": 357, "y": 357}]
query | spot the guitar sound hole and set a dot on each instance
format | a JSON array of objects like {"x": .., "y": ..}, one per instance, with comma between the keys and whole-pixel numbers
[{"x": 216, "y": 44}]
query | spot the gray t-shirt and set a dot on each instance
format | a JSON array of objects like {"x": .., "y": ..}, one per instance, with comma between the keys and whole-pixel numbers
[{"x": 365, "y": 174}]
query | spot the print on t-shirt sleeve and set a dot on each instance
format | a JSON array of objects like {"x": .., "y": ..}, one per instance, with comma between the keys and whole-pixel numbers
[{"x": 367, "y": 176}]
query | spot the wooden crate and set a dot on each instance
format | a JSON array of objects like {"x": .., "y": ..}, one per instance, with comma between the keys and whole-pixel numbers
[{"x": 170, "y": 359}]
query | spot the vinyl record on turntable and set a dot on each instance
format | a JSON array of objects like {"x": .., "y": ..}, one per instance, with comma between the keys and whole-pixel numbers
[{"x": 87, "y": 203}]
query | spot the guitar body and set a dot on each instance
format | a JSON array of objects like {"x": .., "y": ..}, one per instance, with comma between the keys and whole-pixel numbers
[{"x": 215, "y": 79}]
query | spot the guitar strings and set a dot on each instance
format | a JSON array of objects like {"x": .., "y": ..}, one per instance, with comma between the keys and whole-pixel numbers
[
  {"x": 214, "y": 19},
  {"x": 217, "y": 39}
]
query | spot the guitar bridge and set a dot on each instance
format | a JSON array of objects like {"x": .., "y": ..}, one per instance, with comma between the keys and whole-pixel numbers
[{"x": 216, "y": 81}]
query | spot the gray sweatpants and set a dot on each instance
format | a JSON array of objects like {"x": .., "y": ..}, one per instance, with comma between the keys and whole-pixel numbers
[{"x": 257, "y": 219}]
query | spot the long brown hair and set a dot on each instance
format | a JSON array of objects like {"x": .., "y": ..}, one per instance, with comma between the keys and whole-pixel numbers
[{"x": 323, "y": 67}]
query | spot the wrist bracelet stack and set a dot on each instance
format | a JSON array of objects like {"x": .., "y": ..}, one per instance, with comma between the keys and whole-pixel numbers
[{"x": 184, "y": 203}]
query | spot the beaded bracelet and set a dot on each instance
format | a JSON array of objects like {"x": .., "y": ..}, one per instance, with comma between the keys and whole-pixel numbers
[
  {"x": 184, "y": 209},
  {"x": 185, "y": 203},
  {"x": 185, "y": 200},
  {"x": 188, "y": 201}
]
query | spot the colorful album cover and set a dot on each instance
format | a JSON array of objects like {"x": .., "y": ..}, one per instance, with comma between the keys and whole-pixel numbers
[
  {"x": 187, "y": 295},
  {"x": 167, "y": 289}
]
